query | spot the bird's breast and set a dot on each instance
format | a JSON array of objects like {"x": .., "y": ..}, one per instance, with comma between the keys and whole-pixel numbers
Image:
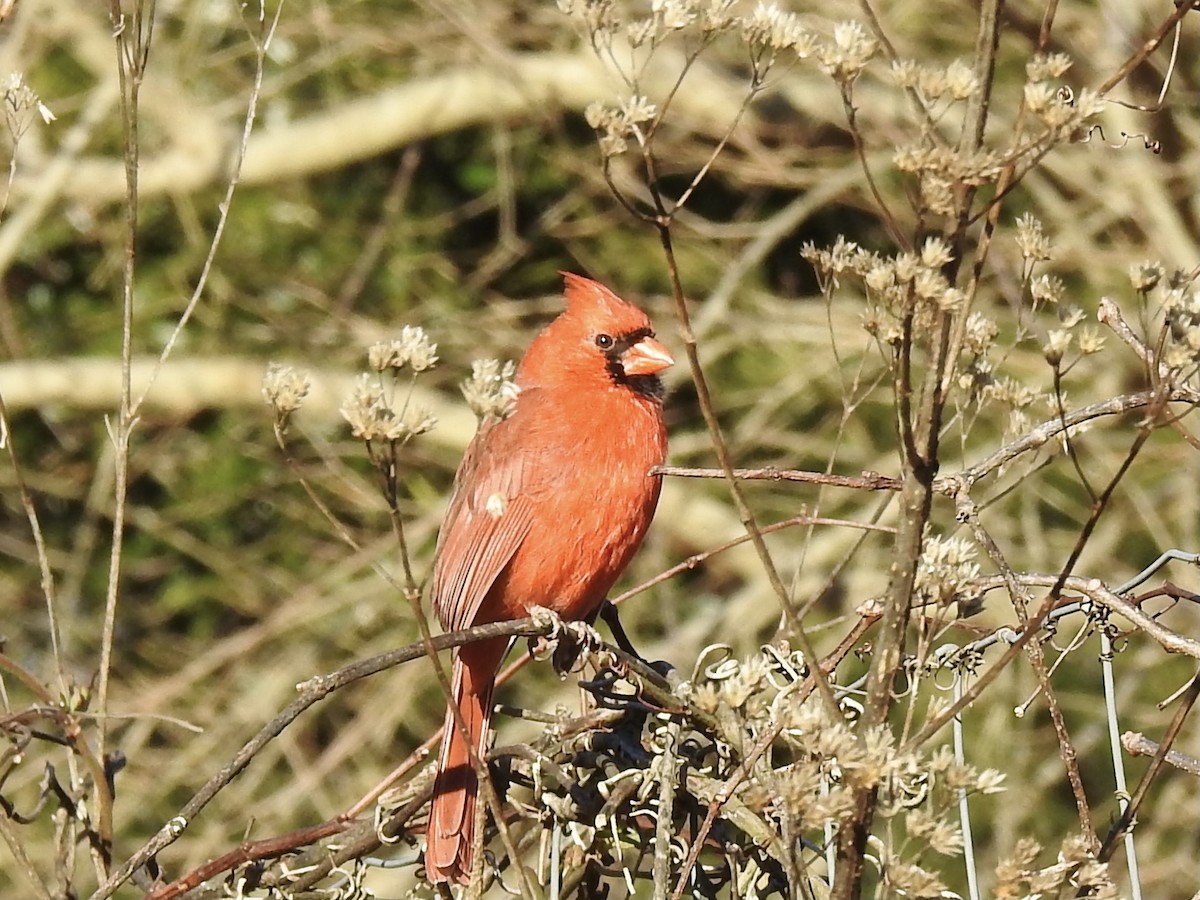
[{"x": 590, "y": 516}]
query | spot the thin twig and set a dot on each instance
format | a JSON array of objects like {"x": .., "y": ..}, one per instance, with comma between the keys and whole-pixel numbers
[
  {"x": 261, "y": 48},
  {"x": 717, "y": 438},
  {"x": 1137, "y": 744},
  {"x": 1146, "y": 49},
  {"x": 49, "y": 594},
  {"x": 1021, "y": 600},
  {"x": 133, "y": 35},
  {"x": 17, "y": 848},
  {"x": 311, "y": 691}
]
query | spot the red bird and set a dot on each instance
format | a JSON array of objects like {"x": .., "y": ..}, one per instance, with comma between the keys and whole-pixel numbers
[{"x": 549, "y": 506}]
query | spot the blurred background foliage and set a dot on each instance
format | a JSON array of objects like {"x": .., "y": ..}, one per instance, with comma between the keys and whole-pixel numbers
[{"x": 360, "y": 210}]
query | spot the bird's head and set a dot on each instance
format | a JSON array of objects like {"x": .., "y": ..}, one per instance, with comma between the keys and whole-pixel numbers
[{"x": 600, "y": 338}]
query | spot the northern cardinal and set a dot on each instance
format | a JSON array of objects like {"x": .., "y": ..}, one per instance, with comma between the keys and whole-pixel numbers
[{"x": 549, "y": 505}]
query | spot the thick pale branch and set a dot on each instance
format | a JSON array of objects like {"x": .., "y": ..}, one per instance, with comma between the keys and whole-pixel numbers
[{"x": 526, "y": 86}]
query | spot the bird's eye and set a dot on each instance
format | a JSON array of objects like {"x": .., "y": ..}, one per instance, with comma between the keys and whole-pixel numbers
[{"x": 605, "y": 341}]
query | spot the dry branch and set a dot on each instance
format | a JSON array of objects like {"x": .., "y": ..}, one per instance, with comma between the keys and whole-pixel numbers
[{"x": 524, "y": 86}]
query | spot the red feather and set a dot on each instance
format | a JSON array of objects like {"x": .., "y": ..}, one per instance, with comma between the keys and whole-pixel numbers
[{"x": 549, "y": 506}]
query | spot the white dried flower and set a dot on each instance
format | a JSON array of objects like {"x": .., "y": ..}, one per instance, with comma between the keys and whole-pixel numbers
[
  {"x": 938, "y": 194},
  {"x": 906, "y": 72},
  {"x": 956, "y": 81},
  {"x": 413, "y": 349},
  {"x": 1061, "y": 110},
  {"x": 717, "y": 16},
  {"x": 961, "y": 82},
  {"x": 674, "y": 14},
  {"x": 636, "y": 110},
  {"x": 1046, "y": 289},
  {"x": 882, "y": 327},
  {"x": 770, "y": 27},
  {"x": 1031, "y": 239},
  {"x": 1090, "y": 341},
  {"x": 372, "y": 417},
  {"x": 848, "y": 53},
  {"x": 1145, "y": 276},
  {"x": 285, "y": 388},
  {"x": 597, "y": 115},
  {"x": 416, "y": 419},
  {"x": 640, "y": 31},
  {"x": 935, "y": 253},
  {"x": 1057, "y": 344},
  {"x": 929, "y": 285},
  {"x": 20, "y": 100},
  {"x": 843, "y": 255},
  {"x": 1012, "y": 393},
  {"x": 1046, "y": 66},
  {"x": 490, "y": 391},
  {"x": 363, "y": 407},
  {"x": 612, "y": 144},
  {"x": 1070, "y": 316},
  {"x": 1039, "y": 97},
  {"x": 941, "y": 836},
  {"x": 1089, "y": 104},
  {"x": 910, "y": 880},
  {"x": 600, "y": 18},
  {"x": 946, "y": 569},
  {"x": 880, "y": 276},
  {"x": 951, "y": 300},
  {"x": 980, "y": 333},
  {"x": 907, "y": 267}
]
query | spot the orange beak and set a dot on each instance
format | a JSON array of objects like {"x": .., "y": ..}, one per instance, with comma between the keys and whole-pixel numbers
[{"x": 647, "y": 357}]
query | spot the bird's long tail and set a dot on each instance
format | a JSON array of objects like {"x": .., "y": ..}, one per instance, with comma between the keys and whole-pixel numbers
[{"x": 450, "y": 837}]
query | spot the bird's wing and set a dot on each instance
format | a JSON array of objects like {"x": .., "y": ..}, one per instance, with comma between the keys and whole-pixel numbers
[{"x": 490, "y": 514}]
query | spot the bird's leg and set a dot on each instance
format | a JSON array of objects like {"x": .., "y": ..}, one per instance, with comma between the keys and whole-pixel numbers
[
  {"x": 542, "y": 645},
  {"x": 608, "y": 612}
]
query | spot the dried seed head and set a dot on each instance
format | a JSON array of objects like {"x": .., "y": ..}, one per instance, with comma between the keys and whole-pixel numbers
[
  {"x": 490, "y": 391},
  {"x": 284, "y": 389},
  {"x": 640, "y": 31},
  {"x": 980, "y": 333},
  {"x": 768, "y": 27},
  {"x": 935, "y": 253},
  {"x": 946, "y": 569},
  {"x": 1031, "y": 240},
  {"x": 848, "y": 53},
  {"x": 1046, "y": 66},
  {"x": 637, "y": 109},
  {"x": 1090, "y": 341},
  {"x": 717, "y": 16},
  {"x": 1056, "y": 346},
  {"x": 372, "y": 417},
  {"x": 1145, "y": 276},
  {"x": 1046, "y": 289},
  {"x": 413, "y": 349},
  {"x": 1070, "y": 316},
  {"x": 675, "y": 14},
  {"x": 21, "y": 103}
]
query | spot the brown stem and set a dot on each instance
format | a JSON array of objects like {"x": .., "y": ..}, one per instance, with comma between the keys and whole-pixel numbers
[
  {"x": 311, "y": 692},
  {"x": 1126, "y": 819}
]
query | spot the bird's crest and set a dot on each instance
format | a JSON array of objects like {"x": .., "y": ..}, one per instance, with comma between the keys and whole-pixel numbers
[{"x": 591, "y": 300}]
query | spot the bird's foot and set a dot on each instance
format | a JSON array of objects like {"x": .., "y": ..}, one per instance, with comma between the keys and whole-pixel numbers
[
  {"x": 543, "y": 646},
  {"x": 545, "y": 617},
  {"x": 565, "y": 642}
]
